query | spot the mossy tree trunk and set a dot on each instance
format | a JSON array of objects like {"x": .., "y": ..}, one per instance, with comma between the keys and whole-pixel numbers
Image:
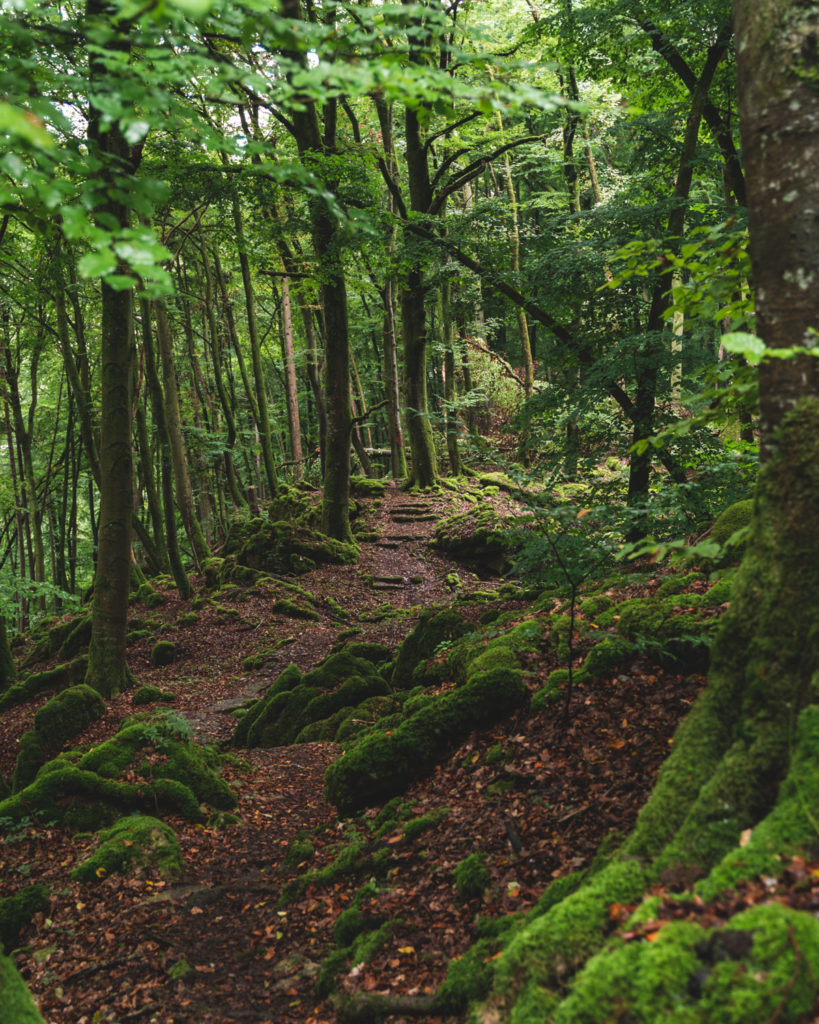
[
  {"x": 7, "y": 672},
  {"x": 316, "y": 140},
  {"x": 107, "y": 668}
]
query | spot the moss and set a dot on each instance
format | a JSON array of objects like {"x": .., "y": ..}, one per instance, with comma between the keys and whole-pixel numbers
[
  {"x": 366, "y": 487},
  {"x": 369, "y": 651},
  {"x": 479, "y": 537},
  {"x": 348, "y": 860},
  {"x": 67, "y": 714},
  {"x": 677, "y": 583},
  {"x": 416, "y": 826},
  {"x": 789, "y": 829},
  {"x": 299, "y": 852},
  {"x": 18, "y": 1006},
  {"x": 610, "y": 654},
  {"x": 324, "y": 729},
  {"x": 498, "y": 654},
  {"x": 336, "y": 668},
  {"x": 468, "y": 978},
  {"x": 187, "y": 619},
  {"x": 553, "y": 945},
  {"x": 285, "y": 681},
  {"x": 756, "y": 968},
  {"x": 88, "y": 791},
  {"x": 151, "y": 694},
  {"x": 434, "y": 627},
  {"x": 284, "y": 546},
  {"x": 382, "y": 764},
  {"x": 471, "y": 877},
  {"x": 293, "y": 610},
  {"x": 163, "y": 653},
  {"x": 133, "y": 844},
  {"x": 594, "y": 605},
  {"x": 16, "y": 911},
  {"x": 31, "y": 757},
  {"x": 8, "y": 672},
  {"x": 735, "y": 517},
  {"x": 280, "y": 720},
  {"x": 58, "y": 678},
  {"x": 76, "y": 640}
]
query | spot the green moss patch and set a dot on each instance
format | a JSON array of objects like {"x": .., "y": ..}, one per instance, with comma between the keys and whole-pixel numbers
[
  {"x": 284, "y": 546},
  {"x": 163, "y": 653},
  {"x": 87, "y": 791},
  {"x": 133, "y": 845},
  {"x": 16, "y": 911},
  {"x": 58, "y": 678},
  {"x": 434, "y": 627},
  {"x": 471, "y": 877},
  {"x": 15, "y": 998},
  {"x": 151, "y": 695},
  {"x": 480, "y": 537},
  {"x": 381, "y": 764}
]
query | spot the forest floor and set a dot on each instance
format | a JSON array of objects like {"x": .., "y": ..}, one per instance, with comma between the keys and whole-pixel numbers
[{"x": 217, "y": 945}]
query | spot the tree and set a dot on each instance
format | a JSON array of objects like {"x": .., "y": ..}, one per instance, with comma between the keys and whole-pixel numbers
[{"x": 738, "y": 793}]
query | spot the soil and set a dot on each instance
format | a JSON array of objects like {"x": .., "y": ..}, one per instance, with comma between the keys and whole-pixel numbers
[{"x": 217, "y": 945}]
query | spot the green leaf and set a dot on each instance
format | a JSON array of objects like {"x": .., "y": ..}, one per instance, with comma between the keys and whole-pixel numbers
[
  {"x": 97, "y": 264},
  {"x": 134, "y": 130},
  {"x": 743, "y": 344},
  {"x": 14, "y": 121},
  {"x": 121, "y": 282}
]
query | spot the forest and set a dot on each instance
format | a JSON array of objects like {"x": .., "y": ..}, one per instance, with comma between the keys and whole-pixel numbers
[{"x": 409, "y": 511}]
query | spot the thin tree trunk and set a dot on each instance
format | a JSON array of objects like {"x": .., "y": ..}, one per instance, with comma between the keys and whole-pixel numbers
[
  {"x": 292, "y": 388},
  {"x": 179, "y": 457}
]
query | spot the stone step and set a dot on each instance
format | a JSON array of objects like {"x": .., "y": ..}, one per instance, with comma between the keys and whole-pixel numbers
[{"x": 424, "y": 517}]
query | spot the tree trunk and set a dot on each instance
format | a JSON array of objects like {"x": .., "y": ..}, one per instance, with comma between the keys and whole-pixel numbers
[
  {"x": 292, "y": 388},
  {"x": 107, "y": 671},
  {"x": 262, "y": 418},
  {"x": 165, "y": 461}
]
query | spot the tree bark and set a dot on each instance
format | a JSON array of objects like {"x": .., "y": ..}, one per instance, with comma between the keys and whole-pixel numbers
[
  {"x": 779, "y": 113},
  {"x": 292, "y": 388}
]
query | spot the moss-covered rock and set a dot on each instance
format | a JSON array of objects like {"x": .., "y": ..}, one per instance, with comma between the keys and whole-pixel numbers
[
  {"x": 67, "y": 714},
  {"x": 480, "y": 537},
  {"x": 285, "y": 681},
  {"x": 284, "y": 546},
  {"x": 132, "y": 845},
  {"x": 434, "y": 627},
  {"x": 58, "y": 678},
  {"x": 756, "y": 968},
  {"x": 89, "y": 790},
  {"x": 735, "y": 517},
  {"x": 16, "y": 911},
  {"x": 31, "y": 756},
  {"x": 151, "y": 694},
  {"x": 163, "y": 653},
  {"x": 381, "y": 764}
]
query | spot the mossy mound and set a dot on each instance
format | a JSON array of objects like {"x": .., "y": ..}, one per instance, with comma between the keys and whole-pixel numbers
[
  {"x": 68, "y": 713},
  {"x": 471, "y": 877},
  {"x": 735, "y": 517},
  {"x": 481, "y": 538},
  {"x": 366, "y": 487},
  {"x": 312, "y": 707},
  {"x": 151, "y": 694},
  {"x": 382, "y": 763},
  {"x": 163, "y": 653},
  {"x": 64, "y": 716},
  {"x": 8, "y": 673},
  {"x": 284, "y": 546},
  {"x": 16, "y": 911},
  {"x": 65, "y": 638},
  {"x": 434, "y": 627},
  {"x": 87, "y": 790},
  {"x": 58, "y": 678},
  {"x": 15, "y": 998},
  {"x": 131, "y": 846}
]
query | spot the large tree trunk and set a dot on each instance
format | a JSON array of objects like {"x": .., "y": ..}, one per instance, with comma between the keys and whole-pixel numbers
[{"x": 292, "y": 388}]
